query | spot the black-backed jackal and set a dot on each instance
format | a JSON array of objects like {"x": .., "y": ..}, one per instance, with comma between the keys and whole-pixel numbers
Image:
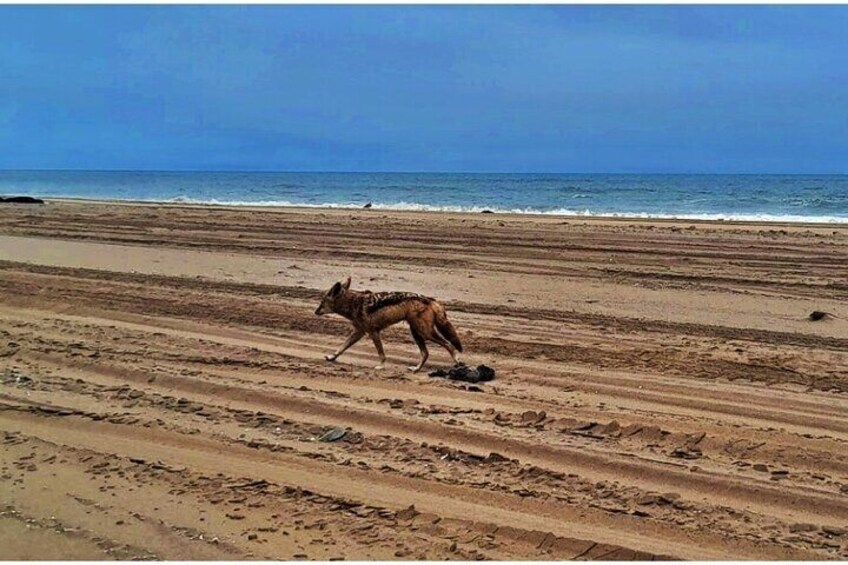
[{"x": 372, "y": 312}]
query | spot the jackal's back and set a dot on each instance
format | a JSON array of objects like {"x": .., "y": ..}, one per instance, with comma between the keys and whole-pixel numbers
[{"x": 375, "y": 301}]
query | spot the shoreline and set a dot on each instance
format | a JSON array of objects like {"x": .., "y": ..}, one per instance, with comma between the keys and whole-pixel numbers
[{"x": 550, "y": 216}]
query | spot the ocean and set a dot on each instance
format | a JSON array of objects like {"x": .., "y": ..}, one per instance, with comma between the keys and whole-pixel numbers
[{"x": 790, "y": 198}]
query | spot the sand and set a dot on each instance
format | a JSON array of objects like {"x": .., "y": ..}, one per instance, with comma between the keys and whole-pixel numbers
[{"x": 660, "y": 390}]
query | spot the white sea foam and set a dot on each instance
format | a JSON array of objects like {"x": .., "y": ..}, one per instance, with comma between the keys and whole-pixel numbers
[{"x": 421, "y": 207}]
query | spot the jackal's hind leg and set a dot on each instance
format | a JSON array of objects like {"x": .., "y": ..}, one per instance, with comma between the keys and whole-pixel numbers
[
  {"x": 437, "y": 337},
  {"x": 352, "y": 338},
  {"x": 422, "y": 347},
  {"x": 378, "y": 343}
]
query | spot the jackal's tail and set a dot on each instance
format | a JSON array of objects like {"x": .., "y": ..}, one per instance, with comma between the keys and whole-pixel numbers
[{"x": 445, "y": 327}]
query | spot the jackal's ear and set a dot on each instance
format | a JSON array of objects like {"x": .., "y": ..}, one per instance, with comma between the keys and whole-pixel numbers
[
  {"x": 346, "y": 284},
  {"x": 337, "y": 288}
]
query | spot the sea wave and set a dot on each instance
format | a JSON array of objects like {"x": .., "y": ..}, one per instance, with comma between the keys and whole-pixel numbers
[{"x": 565, "y": 212}]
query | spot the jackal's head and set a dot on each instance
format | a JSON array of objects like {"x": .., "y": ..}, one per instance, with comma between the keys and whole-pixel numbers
[{"x": 328, "y": 301}]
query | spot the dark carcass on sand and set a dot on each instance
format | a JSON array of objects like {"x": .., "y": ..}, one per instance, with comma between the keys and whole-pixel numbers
[{"x": 462, "y": 372}]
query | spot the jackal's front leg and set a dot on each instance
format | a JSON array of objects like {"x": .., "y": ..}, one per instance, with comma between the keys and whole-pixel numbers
[
  {"x": 378, "y": 343},
  {"x": 352, "y": 338}
]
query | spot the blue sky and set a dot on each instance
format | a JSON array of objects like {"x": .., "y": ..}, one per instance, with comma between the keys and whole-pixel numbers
[{"x": 425, "y": 88}]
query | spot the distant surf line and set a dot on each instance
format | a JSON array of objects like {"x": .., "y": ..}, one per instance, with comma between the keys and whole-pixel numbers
[{"x": 459, "y": 209}]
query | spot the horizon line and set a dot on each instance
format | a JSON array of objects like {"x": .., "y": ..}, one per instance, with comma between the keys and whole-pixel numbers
[{"x": 277, "y": 171}]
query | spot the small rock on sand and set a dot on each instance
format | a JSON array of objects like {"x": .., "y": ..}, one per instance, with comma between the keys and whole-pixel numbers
[{"x": 408, "y": 513}]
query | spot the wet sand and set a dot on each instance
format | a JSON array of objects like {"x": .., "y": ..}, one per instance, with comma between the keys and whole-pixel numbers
[{"x": 660, "y": 390}]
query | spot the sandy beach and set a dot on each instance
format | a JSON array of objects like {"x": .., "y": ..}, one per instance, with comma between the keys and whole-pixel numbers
[{"x": 661, "y": 391}]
